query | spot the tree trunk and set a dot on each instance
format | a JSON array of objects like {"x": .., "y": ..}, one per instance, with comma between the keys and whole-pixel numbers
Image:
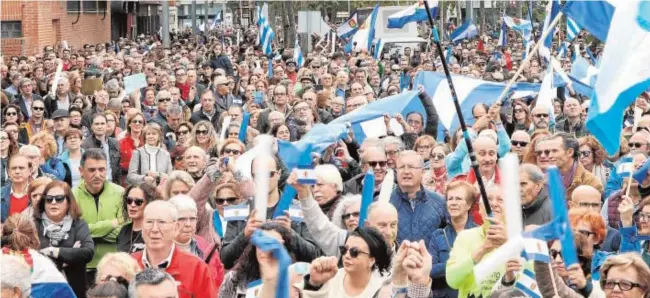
[
  {"x": 291, "y": 30},
  {"x": 482, "y": 9}
]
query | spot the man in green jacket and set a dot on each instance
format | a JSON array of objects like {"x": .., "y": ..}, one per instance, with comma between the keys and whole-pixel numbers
[{"x": 101, "y": 205}]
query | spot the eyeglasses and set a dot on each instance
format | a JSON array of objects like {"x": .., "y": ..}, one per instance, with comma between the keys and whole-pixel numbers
[
  {"x": 624, "y": 285},
  {"x": 190, "y": 219},
  {"x": 541, "y": 115},
  {"x": 138, "y": 202},
  {"x": 589, "y": 205},
  {"x": 354, "y": 252},
  {"x": 408, "y": 168},
  {"x": 643, "y": 216},
  {"x": 391, "y": 153},
  {"x": 586, "y": 233},
  {"x": 137, "y": 122},
  {"x": 183, "y": 132},
  {"x": 555, "y": 253},
  {"x": 164, "y": 99},
  {"x": 11, "y": 114},
  {"x": 231, "y": 151},
  {"x": 351, "y": 214},
  {"x": 38, "y": 108},
  {"x": 230, "y": 201},
  {"x": 519, "y": 143},
  {"x": 437, "y": 156},
  {"x": 149, "y": 223},
  {"x": 52, "y": 199},
  {"x": 585, "y": 153},
  {"x": 519, "y": 110},
  {"x": 543, "y": 152},
  {"x": 635, "y": 145},
  {"x": 374, "y": 164},
  {"x": 202, "y": 132}
]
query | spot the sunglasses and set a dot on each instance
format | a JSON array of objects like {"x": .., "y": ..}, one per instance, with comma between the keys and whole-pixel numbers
[
  {"x": 231, "y": 151},
  {"x": 585, "y": 153},
  {"x": 555, "y": 253},
  {"x": 52, "y": 199},
  {"x": 541, "y": 115},
  {"x": 202, "y": 132},
  {"x": 164, "y": 99},
  {"x": 351, "y": 214},
  {"x": 38, "y": 108},
  {"x": 437, "y": 156},
  {"x": 354, "y": 252},
  {"x": 642, "y": 216},
  {"x": 221, "y": 201},
  {"x": 635, "y": 145},
  {"x": 183, "y": 132},
  {"x": 374, "y": 164},
  {"x": 137, "y": 122},
  {"x": 543, "y": 152},
  {"x": 138, "y": 202},
  {"x": 11, "y": 114},
  {"x": 519, "y": 143}
]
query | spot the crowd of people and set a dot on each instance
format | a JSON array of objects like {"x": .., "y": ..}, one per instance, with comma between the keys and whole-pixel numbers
[{"x": 141, "y": 195}]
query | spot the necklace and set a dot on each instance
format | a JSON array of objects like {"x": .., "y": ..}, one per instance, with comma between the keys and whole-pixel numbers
[{"x": 138, "y": 236}]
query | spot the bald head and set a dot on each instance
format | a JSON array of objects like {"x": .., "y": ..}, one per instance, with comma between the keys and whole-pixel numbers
[
  {"x": 383, "y": 217},
  {"x": 586, "y": 196},
  {"x": 484, "y": 142}
]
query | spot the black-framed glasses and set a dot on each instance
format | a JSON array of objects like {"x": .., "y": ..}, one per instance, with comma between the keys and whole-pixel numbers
[
  {"x": 585, "y": 232},
  {"x": 164, "y": 99},
  {"x": 519, "y": 143},
  {"x": 585, "y": 154},
  {"x": 543, "y": 152},
  {"x": 351, "y": 214},
  {"x": 642, "y": 216},
  {"x": 230, "y": 201},
  {"x": 183, "y": 132},
  {"x": 201, "y": 132},
  {"x": 354, "y": 252},
  {"x": 635, "y": 144},
  {"x": 51, "y": 199},
  {"x": 624, "y": 285},
  {"x": 374, "y": 164},
  {"x": 231, "y": 151},
  {"x": 38, "y": 108},
  {"x": 138, "y": 202}
]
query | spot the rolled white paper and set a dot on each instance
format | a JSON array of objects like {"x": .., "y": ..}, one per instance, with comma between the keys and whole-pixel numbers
[
  {"x": 498, "y": 258},
  {"x": 224, "y": 127},
  {"x": 262, "y": 177},
  {"x": 57, "y": 76},
  {"x": 387, "y": 186},
  {"x": 509, "y": 166}
]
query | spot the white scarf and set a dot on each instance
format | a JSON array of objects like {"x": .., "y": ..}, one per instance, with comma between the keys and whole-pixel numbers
[{"x": 153, "y": 151}]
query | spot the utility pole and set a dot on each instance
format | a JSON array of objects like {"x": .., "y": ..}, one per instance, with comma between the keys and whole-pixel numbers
[
  {"x": 207, "y": 15},
  {"x": 165, "y": 24},
  {"x": 194, "y": 28}
]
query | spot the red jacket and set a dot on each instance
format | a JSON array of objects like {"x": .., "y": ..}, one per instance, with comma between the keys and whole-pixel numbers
[
  {"x": 471, "y": 178},
  {"x": 216, "y": 267},
  {"x": 127, "y": 146},
  {"x": 192, "y": 275}
]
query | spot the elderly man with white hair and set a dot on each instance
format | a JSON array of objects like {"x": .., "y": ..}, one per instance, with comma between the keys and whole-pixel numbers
[
  {"x": 328, "y": 188},
  {"x": 33, "y": 154},
  {"x": 188, "y": 241},
  {"x": 62, "y": 99}
]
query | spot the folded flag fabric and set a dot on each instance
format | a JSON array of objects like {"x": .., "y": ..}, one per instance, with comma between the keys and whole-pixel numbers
[
  {"x": 552, "y": 9},
  {"x": 572, "y": 29},
  {"x": 527, "y": 283},
  {"x": 536, "y": 249},
  {"x": 349, "y": 27},
  {"x": 593, "y": 16},
  {"x": 466, "y": 31},
  {"x": 297, "y": 55},
  {"x": 414, "y": 13},
  {"x": 366, "y": 33}
]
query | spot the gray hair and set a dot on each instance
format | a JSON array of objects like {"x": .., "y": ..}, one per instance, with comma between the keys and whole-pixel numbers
[
  {"x": 18, "y": 277},
  {"x": 408, "y": 153},
  {"x": 94, "y": 154},
  {"x": 149, "y": 276},
  {"x": 373, "y": 142},
  {"x": 184, "y": 203},
  {"x": 163, "y": 93},
  {"x": 534, "y": 173},
  {"x": 330, "y": 174},
  {"x": 174, "y": 109},
  {"x": 174, "y": 176},
  {"x": 346, "y": 201},
  {"x": 112, "y": 85},
  {"x": 165, "y": 205},
  {"x": 29, "y": 149},
  {"x": 390, "y": 140}
]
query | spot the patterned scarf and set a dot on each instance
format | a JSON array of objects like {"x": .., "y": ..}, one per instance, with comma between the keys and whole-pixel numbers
[
  {"x": 568, "y": 178},
  {"x": 58, "y": 231}
]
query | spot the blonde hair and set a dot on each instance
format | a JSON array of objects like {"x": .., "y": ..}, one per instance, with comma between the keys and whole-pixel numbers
[
  {"x": 122, "y": 260},
  {"x": 626, "y": 260},
  {"x": 50, "y": 143},
  {"x": 155, "y": 128},
  {"x": 181, "y": 176}
]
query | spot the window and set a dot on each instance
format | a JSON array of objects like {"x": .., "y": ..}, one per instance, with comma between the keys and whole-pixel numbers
[
  {"x": 101, "y": 5},
  {"x": 73, "y": 6},
  {"x": 12, "y": 29},
  {"x": 89, "y": 6}
]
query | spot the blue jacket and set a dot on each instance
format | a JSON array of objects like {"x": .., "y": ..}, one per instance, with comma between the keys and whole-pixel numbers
[
  {"x": 416, "y": 223},
  {"x": 612, "y": 242},
  {"x": 54, "y": 167},
  {"x": 442, "y": 240},
  {"x": 458, "y": 162},
  {"x": 5, "y": 200},
  {"x": 614, "y": 182}
]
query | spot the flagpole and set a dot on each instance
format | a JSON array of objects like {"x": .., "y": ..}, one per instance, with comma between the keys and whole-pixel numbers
[
  {"x": 528, "y": 57},
  {"x": 470, "y": 149}
]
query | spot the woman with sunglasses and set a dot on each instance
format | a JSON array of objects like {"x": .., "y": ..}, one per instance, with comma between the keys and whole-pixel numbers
[
  {"x": 133, "y": 140},
  {"x": 247, "y": 267},
  {"x": 226, "y": 194},
  {"x": 184, "y": 134},
  {"x": 11, "y": 113},
  {"x": 366, "y": 257},
  {"x": 64, "y": 236},
  {"x": 204, "y": 136},
  {"x": 134, "y": 200},
  {"x": 634, "y": 224},
  {"x": 233, "y": 149},
  {"x": 436, "y": 178},
  {"x": 594, "y": 158},
  {"x": 521, "y": 115},
  {"x": 151, "y": 162}
]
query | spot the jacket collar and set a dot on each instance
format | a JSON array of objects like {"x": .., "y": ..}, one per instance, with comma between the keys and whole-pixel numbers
[
  {"x": 164, "y": 264},
  {"x": 418, "y": 196},
  {"x": 539, "y": 201}
]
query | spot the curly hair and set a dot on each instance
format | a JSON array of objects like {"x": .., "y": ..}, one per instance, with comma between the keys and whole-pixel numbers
[
  {"x": 627, "y": 260},
  {"x": 599, "y": 153},
  {"x": 592, "y": 218},
  {"x": 150, "y": 194},
  {"x": 346, "y": 201},
  {"x": 50, "y": 143},
  {"x": 247, "y": 268}
]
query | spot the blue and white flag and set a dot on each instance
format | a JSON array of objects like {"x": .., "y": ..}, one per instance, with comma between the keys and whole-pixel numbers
[
  {"x": 469, "y": 91},
  {"x": 591, "y": 56},
  {"x": 593, "y": 16},
  {"x": 536, "y": 249},
  {"x": 266, "y": 37},
  {"x": 366, "y": 33},
  {"x": 518, "y": 24},
  {"x": 217, "y": 19},
  {"x": 503, "y": 35},
  {"x": 279, "y": 251},
  {"x": 297, "y": 55},
  {"x": 547, "y": 93},
  {"x": 367, "y": 194},
  {"x": 624, "y": 72},
  {"x": 379, "y": 46},
  {"x": 466, "y": 31},
  {"x": 414, "y": 13},
  {"x": 349, "y": 27},
  {"x": 564, "y": 48},
  {"x": 262, "y": 13},
  {"x": 572, "y": 29},
  {"x": 237, "y": 212},
  {"x": 46, "y": 279},
  {"x": 552, "y": 9},
  {"x": 625, "y": 166},
  {"x": 527, "y": 283},
  {"x": 583, "y": 71}
]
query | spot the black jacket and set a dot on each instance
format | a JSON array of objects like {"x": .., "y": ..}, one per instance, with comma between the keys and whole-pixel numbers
[
  {"x": 74, "y": 257},
  {"x": 540, "y": 211},
  {"x": 431, "y": 127},
  {"x": 113, "y": 152},
  {"x": 200, "y": 116},
  {"x": 234, "y": 242},
  {"x": 129, "y": 241},
  {"x": 51, "y": 102},
  {"x": 222, "y": 62}
]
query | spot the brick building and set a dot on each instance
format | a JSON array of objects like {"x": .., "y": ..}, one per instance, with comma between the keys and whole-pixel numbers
[{"x": 28, "y": 26}]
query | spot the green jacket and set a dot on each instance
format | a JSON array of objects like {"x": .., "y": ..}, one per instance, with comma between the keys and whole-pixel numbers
[
  {"x": 100, "y": 218},
  {"x": 460, "y": 267}
]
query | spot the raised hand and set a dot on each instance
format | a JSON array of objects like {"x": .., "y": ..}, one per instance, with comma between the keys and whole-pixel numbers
[
  {"x": 252, "y": 224},
  {"x": 626, "y": 209},
  {"x": 303, "y": 190},
  {"x": 418, "y": 263},
  {"x": 322, "y": 270}
]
